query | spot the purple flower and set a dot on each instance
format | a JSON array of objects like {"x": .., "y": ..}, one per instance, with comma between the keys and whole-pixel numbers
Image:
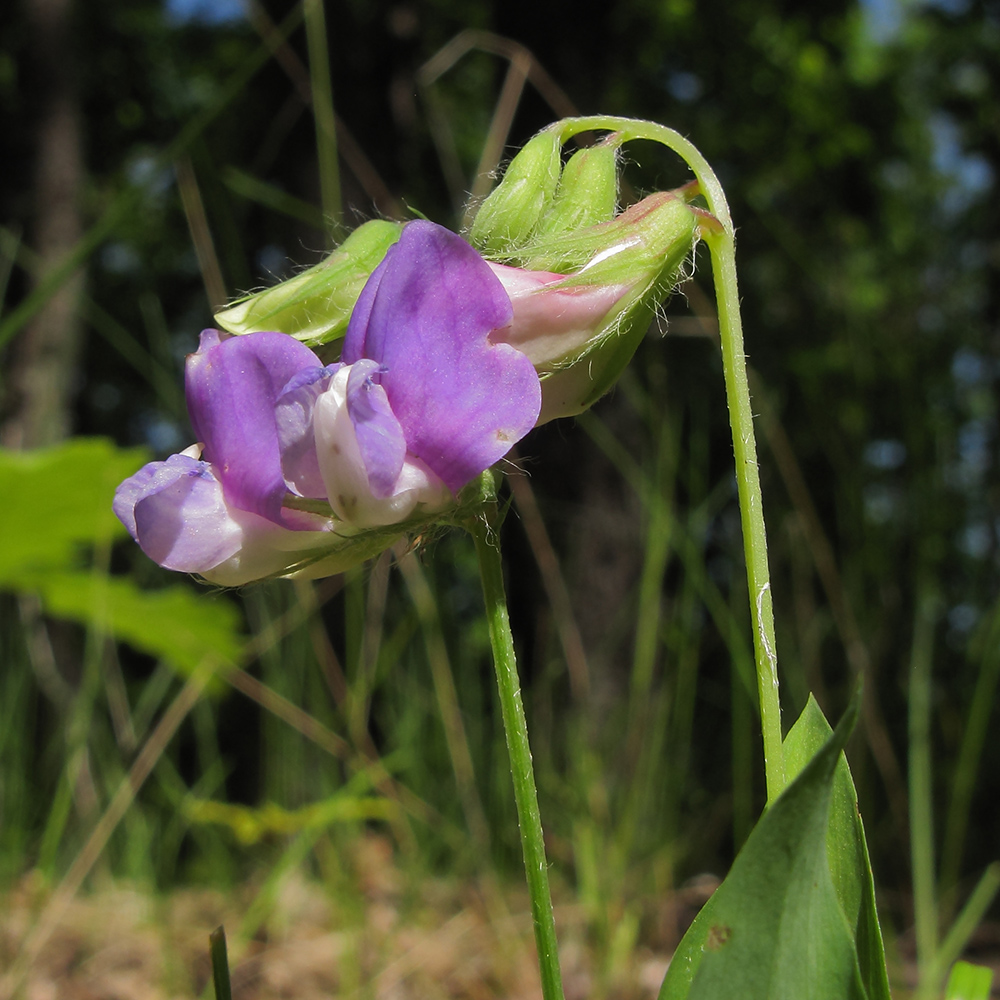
[{"x": 298, "y": 459}]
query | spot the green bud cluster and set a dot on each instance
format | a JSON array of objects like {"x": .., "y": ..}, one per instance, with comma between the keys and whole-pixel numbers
[
  {"x": 652, "y": 236},
  {"x": 508, "y": 218},
  {"x": 315, "y": 306},
  {"x": 588, "y": 190},
  {"x": 645, "y": 248}
]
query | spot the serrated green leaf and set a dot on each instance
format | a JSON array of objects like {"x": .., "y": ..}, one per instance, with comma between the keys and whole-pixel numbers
[
  {"x": 847, "y": 849},
  {"x": 774, "y": 930},
  {"x": 969, "y": 982}
]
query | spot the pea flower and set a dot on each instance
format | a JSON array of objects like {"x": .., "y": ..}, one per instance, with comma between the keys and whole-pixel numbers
[{"x": 306, "y": 469}]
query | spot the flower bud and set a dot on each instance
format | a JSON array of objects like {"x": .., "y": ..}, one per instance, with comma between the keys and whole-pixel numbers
[
  {"x": 315, "y": 306},
  {"x": 588, "y": 190},
  {"x": 581, "y": 328},
  {"x": 507, "y": 219}
]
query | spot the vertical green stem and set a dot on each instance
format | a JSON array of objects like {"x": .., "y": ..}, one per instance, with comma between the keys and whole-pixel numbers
[
  {"x": 484, "y": 529},
  {"x": 723, "y": 250}
]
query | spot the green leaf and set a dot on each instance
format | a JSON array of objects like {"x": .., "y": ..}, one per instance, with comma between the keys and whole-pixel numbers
[
  {"x": 847, "y": 849},
  {"x": 969, "y": 982},
  {"x": 54, "y": 501},
  {"x": 774, "y": 930},
  {"x": 172, "y": 624},
  {"x": 55, "y": 505},
  {"x": 220, "y": 964}
]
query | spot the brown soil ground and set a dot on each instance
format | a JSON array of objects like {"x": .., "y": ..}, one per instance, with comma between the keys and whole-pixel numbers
[
  {"x": 377, "y": 941},
  {"x": 472, "y": 940}
]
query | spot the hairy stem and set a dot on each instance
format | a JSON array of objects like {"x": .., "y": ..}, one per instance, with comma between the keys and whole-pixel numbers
[
  {"x": 723, "y": 250},
  {"x": 484, "y": 529}
]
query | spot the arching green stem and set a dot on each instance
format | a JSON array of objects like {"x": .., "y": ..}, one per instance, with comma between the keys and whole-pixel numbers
[{"x": 723, "y": 250}]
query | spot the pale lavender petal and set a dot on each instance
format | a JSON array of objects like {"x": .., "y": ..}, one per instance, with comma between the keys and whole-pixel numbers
[
  {"x": 267, "y": 549},
  {"x": 462, "y": 402},
  {"x": 347, "y": 482},
  {"x": 380, "y": 437},
  {"x": 232, "y": 386},
  {"x": 147, "y": 479},
  {"x": 293, "y": 416},
  {"x": 177, "y": 513}
]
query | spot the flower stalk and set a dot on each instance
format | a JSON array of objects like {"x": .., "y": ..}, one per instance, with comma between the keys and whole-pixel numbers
[
  {"x": 484, "y": 528},
  {"x": 722, "y": 246}
]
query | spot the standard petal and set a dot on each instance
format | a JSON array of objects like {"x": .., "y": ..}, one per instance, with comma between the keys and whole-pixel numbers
[
  {"x": 380, "y": 436},
  {"x": 462, "y": 401},
  {"x": 357, "y": 327},
  {"x": 232, "y": 386}
]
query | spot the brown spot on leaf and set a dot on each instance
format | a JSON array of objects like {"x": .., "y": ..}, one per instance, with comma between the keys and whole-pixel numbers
[{"x": 718, "y": 935}]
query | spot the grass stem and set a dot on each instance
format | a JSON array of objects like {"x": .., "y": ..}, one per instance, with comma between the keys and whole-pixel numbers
[{"x": 921, "y": 801}]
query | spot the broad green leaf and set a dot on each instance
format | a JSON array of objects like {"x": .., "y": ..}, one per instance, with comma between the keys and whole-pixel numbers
[
  {"x": 53, "y": 501},
  {"x": 172, "y": 624},
  {"x": 847, "y": 849},
  {"x": 774, "y": 929},
  {"x": 969, "y": 982}
]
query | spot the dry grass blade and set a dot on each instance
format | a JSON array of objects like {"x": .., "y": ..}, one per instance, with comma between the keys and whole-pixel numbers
[
  {"x": 496, "y": 138},
  {"x": 553, "y": 581},
  {"x": 301, "y": 721},
  {"x": 349, "y": 148},
  {"x": 201, "y": 234},
  {"x": 447, "y": 696},
  {"x": 472, "y": 40},
  {"x": 524, "y": 67}
]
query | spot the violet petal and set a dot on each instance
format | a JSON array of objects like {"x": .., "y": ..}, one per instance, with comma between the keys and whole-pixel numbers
[
  {"x": 177, "y": 513},
  {"x": 357, "y": 328},
  {"x": 232, "y": 386},
  {"x": 462, "y": 402},
  {"x": 380, "y": 436}
]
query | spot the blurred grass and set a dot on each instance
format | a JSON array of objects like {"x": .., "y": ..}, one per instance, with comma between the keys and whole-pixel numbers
[{"x": 366, "y": 706}]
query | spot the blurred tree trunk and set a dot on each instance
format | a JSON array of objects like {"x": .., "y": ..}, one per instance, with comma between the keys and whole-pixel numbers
[{"x": 43, "y": 359}]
